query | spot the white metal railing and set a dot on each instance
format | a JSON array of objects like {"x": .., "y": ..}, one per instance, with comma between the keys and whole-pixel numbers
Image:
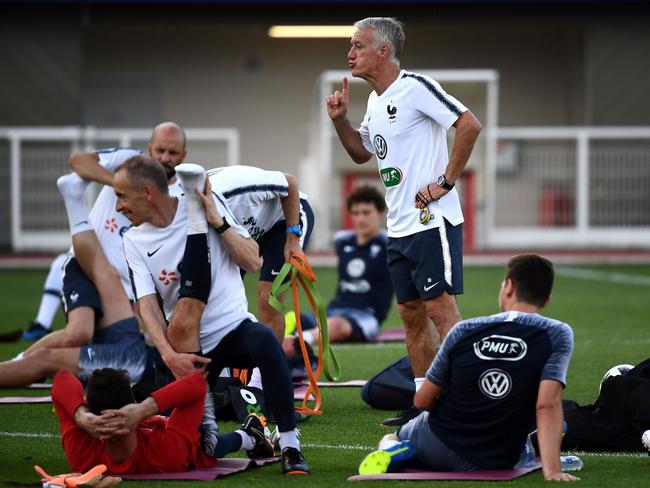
[
  {"x": 38, "y": 155},
  {"x": 576, "y": 187}
]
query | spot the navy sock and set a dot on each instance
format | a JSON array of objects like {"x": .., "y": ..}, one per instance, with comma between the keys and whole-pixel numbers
[
  {"x": 227, "y": 443},
  {"x": 196, "y": 275}
]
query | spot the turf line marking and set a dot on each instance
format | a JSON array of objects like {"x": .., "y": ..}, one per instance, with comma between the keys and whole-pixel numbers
[
  {"x": 349, "y": 447},
  {"x": 38, "y": 435},
  {"x": 593, "y": 275}
]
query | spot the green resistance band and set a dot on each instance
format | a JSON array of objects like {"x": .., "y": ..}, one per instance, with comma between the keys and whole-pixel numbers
[{"x": 331, "y": 367}]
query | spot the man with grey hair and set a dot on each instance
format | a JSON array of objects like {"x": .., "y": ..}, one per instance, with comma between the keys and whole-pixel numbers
[{"x": 405, "y": 126}]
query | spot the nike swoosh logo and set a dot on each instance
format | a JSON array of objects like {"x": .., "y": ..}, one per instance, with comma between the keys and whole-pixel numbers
[
  {"x": 81, "y": 223},
  {"x": 427, "y": 288},
  {"x": 274, "y": 272},
  {"x": 154, "y": 252}
]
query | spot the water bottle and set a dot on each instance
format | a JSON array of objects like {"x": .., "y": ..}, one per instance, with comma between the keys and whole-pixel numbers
[{"x": 571, "y": 463}]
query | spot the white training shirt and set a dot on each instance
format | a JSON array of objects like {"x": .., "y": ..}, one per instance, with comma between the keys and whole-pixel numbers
[
  {"x": 154, "y": 255},
  {"x": 406, "y": 128},
  {"x": 253, "y": 195},
  {"x": 109, "y": 224}
]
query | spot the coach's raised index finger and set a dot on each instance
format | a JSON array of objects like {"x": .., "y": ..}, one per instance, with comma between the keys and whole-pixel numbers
[{"x": 345, "y": 88}]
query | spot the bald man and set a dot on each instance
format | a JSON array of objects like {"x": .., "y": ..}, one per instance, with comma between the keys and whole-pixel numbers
[{"x": 82, "y": 303}]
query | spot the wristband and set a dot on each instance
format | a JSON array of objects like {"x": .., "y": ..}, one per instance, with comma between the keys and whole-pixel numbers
[
  {"x": 224, "y": 227},
  {"x": 294, "y": 229}
]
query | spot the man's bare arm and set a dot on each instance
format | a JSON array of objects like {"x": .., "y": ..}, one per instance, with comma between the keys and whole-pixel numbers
[
  {"x": 86, "y": 165},
  {"x": 426, "y": 397},
  {"x": 181, "y": 364},
  {"x": 549, "y": 429}
]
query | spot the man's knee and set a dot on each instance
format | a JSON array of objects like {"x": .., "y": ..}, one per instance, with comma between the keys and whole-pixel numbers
[
  {"x": 79, "y": 331},
  {"x": 339, "y": 328},
  {"x": 46, "y": 362},
  {"x": 443, "y": 310},
  {"x": 412, "y": 313}
]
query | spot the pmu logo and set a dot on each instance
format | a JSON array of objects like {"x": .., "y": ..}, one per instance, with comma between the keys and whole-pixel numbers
[
  {"x": 498, "y": 347},
  {"x": 110, "y": 225},
  {"x": 391, "y": 176},
  {"x": 381, "y": 148},
  {"x": 167, "y": 277},
  {"x": 495, "y": 383}
]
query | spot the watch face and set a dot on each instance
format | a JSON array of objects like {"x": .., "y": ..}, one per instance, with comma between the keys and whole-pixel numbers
[{"x": 441, "y": 180}]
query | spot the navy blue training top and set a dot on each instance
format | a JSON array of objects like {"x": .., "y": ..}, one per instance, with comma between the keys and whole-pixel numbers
[
  {"x": 364, "y": 281},
  {"x": 489, "y": 369}
]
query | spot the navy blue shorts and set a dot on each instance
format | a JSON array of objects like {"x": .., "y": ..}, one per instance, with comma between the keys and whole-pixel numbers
[
  {"x": 120, "y": 346},
  {"x": 272, "y": 242},
  {"x": 78, "y": 290},
  {"x": 424, "y": 265}
]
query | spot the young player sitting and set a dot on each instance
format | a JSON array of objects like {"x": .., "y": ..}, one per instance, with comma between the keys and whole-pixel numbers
[
  {"x": 364, "y": 292},
  {"x": 491, "y": 380},
  {"x": 109, "y": 428}
]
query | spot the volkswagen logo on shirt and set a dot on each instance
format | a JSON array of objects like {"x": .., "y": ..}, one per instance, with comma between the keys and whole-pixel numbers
[
  {"x": 381, "y": 148},
  {"x": 495, "y": 383}
]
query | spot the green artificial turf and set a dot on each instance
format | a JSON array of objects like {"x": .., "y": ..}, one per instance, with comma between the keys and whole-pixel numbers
[{"x": 610, "y": 320}]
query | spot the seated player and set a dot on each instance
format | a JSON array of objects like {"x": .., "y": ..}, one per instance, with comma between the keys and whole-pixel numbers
[
  {"x": 117, "y": 341},
  {"x": 491, "y": 381},
  {"x": 198, "y": 233},
  {"x": 364, "y": 292},
  {"x": 109, "y": 427},
  {"x": 269, "y": 205}
]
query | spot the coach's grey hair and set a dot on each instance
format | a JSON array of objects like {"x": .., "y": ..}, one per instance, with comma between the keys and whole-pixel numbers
[
  {"x": 142, "y": 171},
  {"x": 388, "y": 30}
]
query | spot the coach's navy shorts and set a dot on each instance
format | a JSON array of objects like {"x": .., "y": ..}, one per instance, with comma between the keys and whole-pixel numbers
[
  {"x": 78, "y": 290},
  {"x": 426, "y": 264},
  {"x": 120, "y": 346},
  {"x": 273, "y": 241}
]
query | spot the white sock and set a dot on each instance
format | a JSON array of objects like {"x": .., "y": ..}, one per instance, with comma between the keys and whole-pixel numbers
[
  {"x": 418, "y": 382},
  {"x": 289, "y": 439},
  {"x": 309, "y": 336},
  {"x": 73, "y": 189},
  {"x": 247, "y": 442},
  {"x": 51, "y": 299},
  {"x": 19, "y": 356},
  {"x": 256, "y": 379},
  {"x": 385, "y": 444},
  {"x": 192, "y": 178}
]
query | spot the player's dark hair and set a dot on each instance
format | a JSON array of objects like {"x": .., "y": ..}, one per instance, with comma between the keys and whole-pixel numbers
[
  {"x": 366, "y": 194},
  {"x": 143, "y": 170},
  {"x": 532, "y": 276},
  {"x": 108, "y": 388}
]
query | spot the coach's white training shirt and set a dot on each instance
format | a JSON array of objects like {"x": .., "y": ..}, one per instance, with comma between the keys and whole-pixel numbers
[
  {"x": 406, "y": 128},
  {"x": 154, "y": 255}
]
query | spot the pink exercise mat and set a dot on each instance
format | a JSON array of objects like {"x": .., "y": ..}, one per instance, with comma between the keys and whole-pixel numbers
[
  {"x": 27, "y": 399},
  {"x": 224, "y": 467},
  {"x": 418, "y": 474},
  {"x": 392, "y": 335}
]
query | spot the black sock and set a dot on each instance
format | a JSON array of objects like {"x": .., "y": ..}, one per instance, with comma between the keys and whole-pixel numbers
[{"x": 196, "y": 275}]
